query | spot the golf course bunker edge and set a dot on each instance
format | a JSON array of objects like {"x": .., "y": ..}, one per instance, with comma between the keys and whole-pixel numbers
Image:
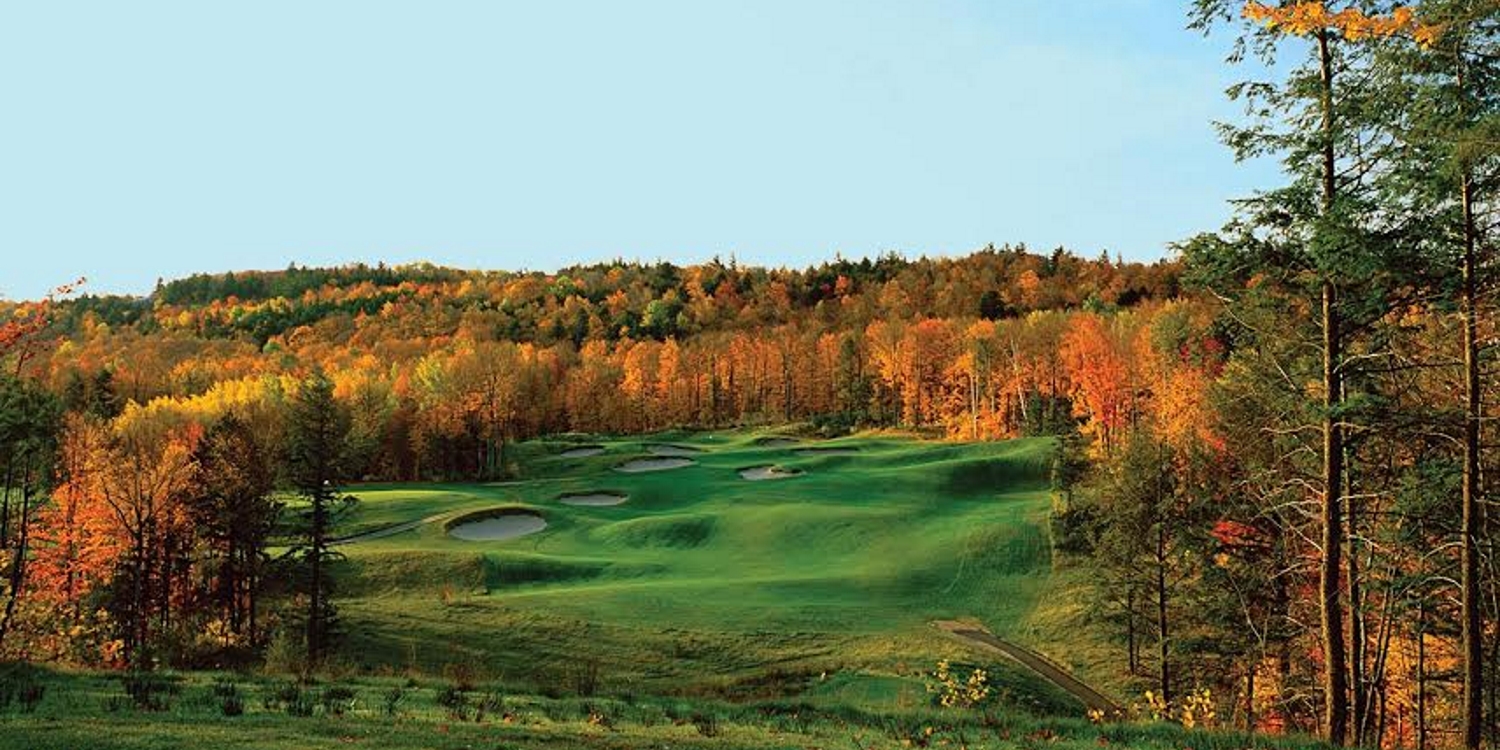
[
  {"x": 767, "y": 473},
  {"x": 495, "y": 525},
  {"x": 596, "y": 499},
  {"x": 664, "y": 463},
  {"x": 582, "y": 451}
]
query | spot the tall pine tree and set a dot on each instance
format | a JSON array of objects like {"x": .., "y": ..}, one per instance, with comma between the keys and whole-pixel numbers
[{"x": 317, "y": 430}]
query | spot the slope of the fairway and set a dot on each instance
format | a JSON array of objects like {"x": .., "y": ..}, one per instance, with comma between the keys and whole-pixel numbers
[{"x": 702, "y": 576}]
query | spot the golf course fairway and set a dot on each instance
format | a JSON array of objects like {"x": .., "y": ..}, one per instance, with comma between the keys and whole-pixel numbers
[{"x": 704, "y": 581}]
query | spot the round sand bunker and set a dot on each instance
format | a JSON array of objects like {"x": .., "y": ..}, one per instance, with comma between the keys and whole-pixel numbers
[
  {"x": 582, "y": 451},
  {"x": 593, "y": 499},
  {"x": 498, "y": 527},
  {"x": 673, "y": 451},
  {"x": 654, "y": 464},
  {"x": 765, "y": 473}
]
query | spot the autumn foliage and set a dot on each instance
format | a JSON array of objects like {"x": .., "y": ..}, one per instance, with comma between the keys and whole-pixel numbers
[{"x": 1303, "y": 18}]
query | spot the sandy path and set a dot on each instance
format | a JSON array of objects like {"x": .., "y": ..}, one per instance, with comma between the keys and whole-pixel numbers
[{"x": 985, "y": 641}]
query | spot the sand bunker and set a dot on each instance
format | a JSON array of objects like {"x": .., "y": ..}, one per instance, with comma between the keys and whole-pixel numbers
[
  {"x": 582, "y": 451},
  {"x": 654, "y": 464},
  {"x": 593, "y": 499},
  {"x": 763, "y": 473},
  {"x": 673, "y": 451},
  {"x": 778, "y": 442},
  {"x": 498, "y": 527},
  {"x": 831, "y": 450}
]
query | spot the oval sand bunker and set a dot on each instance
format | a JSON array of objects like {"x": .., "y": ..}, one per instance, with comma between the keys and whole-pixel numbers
[
  {"x": 592, "y": 499},
  {"x": 498, "y": 528},
  {"x": 582, "y": 451},
  {"x": 764, "y": 473},
  {"x": 653, "y": 464}
]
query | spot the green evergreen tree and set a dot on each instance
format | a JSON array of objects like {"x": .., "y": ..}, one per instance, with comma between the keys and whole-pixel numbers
[{"x": 317, "y": 430}]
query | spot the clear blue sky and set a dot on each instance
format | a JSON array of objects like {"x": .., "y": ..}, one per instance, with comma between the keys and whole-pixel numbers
[{"x": 153, "y": 139}]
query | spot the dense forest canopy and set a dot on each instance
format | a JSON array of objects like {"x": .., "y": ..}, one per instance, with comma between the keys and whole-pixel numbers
[
  {"x": 440, "y": 359},
  {"x": 631, "y": 300}
]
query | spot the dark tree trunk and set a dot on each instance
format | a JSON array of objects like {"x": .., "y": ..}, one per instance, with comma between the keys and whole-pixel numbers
[
  {"x": 1250, "y": 698},
  {"x": 1472, "y": 632},
  {"x": 5, "y": 503},
  {"x": 318, "y": 536},
  {"x": 1335, "y": 671},
  {"x": 18, "y": 563},
  {"x": 1421, "y": 675},
  {"x": 1357, "y": 636},
  {"x": 1162, "y": 642}
]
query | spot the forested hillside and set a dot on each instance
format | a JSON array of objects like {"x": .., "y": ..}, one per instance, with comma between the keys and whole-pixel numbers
[{"x": 441, "y": 368}]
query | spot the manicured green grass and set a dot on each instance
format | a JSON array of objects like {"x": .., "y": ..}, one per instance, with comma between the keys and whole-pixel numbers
[{"x": 702, "y": 580}]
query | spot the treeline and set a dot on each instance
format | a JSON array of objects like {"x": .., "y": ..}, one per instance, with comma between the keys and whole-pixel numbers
[
  {"x": 441, "y": 369},
  {"x": 1319, "y": 552},
  {"x": 616, "y": 301}
]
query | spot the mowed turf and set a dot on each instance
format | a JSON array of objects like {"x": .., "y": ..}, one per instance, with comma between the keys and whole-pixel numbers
[{"x": 703, "y": 581}]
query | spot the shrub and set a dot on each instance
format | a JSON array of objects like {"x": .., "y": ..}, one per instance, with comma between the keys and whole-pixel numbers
[
  {"x": 337, "y": 699},
  {"x": 20, "y": 682},
  {"x": 301, "y": 706},
  {"x": 455, "y": 702},
  {"x": 955, "y": 693},
  {"x": 30, "y": 694},
  {"x": 273, "y": 697},
  {"x": 392, "y": 703},
  {"x": 149, "y": 691},
  {"x": 224, "y": 688},
  {"x": 839, "y": 424},
  {"x": 600, "y": 719},
  {"x": 288, "y": 697},
  {"x": 285, "y": 654},
  {"x": 490, "y": 703},
  {"x": 706, "y": 724},
  {"x": 463, "y": 675},
  {"x": 605, "y": 714},
  {"x": 231, "y": 705},
  {"x": 1075, "y": 530},
  {"x": 586, "y": 678}
]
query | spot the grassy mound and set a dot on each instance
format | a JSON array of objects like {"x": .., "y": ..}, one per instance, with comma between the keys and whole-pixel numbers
[{"x": 677, "y": 531}]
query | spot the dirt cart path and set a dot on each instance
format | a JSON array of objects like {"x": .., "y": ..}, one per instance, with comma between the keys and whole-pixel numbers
[{"x": 983, "y": 640}]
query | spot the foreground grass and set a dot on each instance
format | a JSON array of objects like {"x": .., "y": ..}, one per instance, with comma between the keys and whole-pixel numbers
[{"x": 93, "y": 711}]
